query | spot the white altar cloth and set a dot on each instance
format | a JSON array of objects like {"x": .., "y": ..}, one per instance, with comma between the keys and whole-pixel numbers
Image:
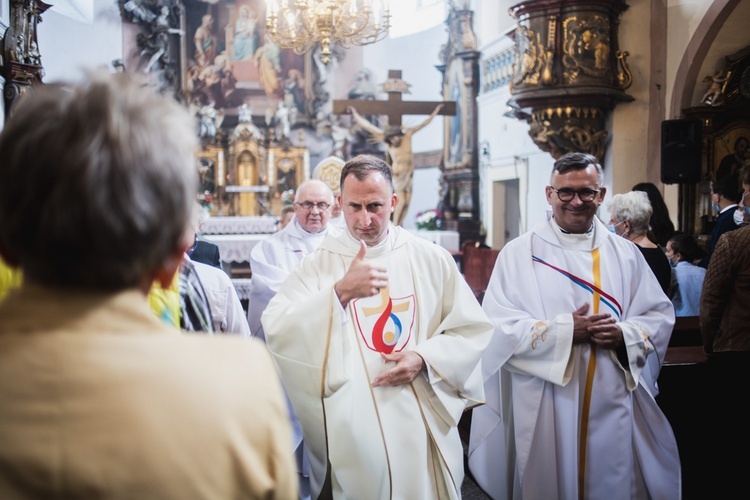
[
  {"x": 242, "y": 287},
  {"x": 235, "y": 247},
  {"x": 239, "y": 225},
  {"x": 446, "y": 239}
]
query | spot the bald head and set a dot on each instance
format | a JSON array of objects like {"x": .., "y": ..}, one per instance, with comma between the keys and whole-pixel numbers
[{"x": 312, "y": 205}]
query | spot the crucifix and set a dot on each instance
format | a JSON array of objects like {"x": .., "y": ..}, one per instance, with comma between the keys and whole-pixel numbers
[{"x": 396, "y": 138}]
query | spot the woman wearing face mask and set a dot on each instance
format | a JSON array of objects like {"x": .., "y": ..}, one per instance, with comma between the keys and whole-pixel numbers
[
  {"x": 687, "y": 278},
  {"x": 630, "y": 214}
]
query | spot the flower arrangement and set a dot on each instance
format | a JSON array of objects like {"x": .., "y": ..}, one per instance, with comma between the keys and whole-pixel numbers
[
  {"x": 429, "y": 220},
  {"x": 205, "y": 200},
  {"x": 287, "y": 197}
]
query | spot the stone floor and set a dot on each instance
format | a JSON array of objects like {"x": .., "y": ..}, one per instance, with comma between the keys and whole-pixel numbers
[{"x": 471, "y": 491}]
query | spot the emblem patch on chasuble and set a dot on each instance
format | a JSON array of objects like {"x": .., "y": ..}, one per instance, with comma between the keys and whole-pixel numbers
[{"x": 385, "y": 323}]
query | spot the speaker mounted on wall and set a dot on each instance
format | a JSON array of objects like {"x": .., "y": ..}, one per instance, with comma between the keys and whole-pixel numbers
[{"x": 681, "y": 151}]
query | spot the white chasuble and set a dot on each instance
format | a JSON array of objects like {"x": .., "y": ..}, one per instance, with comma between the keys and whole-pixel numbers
[
  {"x": 566, "y": 421},
  {"x": 271, "y": 261},
  {"x": 381, "y": 442}
]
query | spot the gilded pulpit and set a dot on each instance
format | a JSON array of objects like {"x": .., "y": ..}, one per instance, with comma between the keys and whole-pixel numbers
[{"x": 570, "y": 72}]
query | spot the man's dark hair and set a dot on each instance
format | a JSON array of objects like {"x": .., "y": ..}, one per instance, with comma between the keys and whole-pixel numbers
[
  {"x": 687, "y": 247},
  {"x": 362, "y": 165},
  {"x": 728, "y": 187},
  {"x": 577, "y": 161}
]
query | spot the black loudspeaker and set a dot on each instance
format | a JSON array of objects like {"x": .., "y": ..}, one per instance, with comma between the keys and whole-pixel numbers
[{"x": 681, "y": 153}]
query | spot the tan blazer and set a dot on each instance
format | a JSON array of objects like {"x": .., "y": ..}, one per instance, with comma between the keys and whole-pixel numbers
[{"x": 99, "y": 399}]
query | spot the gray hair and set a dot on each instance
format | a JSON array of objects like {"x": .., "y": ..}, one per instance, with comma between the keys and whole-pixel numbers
[
  {"x": 362, "y": 165},
  {"x": 311, "y": 183},
  {"x": 633, "y": 207},
  {"x": 577, "y": 161},
  {"x": 98, "y": 182}
]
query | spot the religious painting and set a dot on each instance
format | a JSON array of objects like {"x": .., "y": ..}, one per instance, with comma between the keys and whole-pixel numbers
[
  {"x": 455, "y": 150},
  {"x": 731, "y": 150},
  {"x": 229, "y": 62}
]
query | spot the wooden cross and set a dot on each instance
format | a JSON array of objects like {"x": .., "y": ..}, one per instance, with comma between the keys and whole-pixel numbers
[{"x": 394, "y": 107}]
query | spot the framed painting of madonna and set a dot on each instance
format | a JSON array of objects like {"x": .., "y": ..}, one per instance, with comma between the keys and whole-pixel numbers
[{"x": 229, "y": 62}]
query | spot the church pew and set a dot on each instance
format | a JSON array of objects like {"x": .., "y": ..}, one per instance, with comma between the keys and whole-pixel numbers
[
  {"x": 477, "y": 262},
  {"x": 685, "y": 345},
  {"x": 684, "y": 392}
]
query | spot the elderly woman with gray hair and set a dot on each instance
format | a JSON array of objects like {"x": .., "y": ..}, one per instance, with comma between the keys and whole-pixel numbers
[{"x": 630, "y": 215}]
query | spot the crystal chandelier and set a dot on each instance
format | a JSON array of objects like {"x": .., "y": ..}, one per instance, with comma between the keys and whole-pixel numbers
[{"x": 300, "y": 24}]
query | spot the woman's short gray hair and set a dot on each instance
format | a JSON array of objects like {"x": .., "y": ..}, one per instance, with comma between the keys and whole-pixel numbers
[
  {"x": 633, "y": 207},
  {"x": 98, "y": 182}
]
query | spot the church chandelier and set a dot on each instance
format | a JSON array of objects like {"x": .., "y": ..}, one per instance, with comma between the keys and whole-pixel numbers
[{"x": 301, "y": 24}]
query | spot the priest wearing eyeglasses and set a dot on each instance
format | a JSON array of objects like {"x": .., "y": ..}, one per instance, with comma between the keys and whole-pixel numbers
[
  {"x": 273, "y": 259},
  {"x": 568, "y": 376}
]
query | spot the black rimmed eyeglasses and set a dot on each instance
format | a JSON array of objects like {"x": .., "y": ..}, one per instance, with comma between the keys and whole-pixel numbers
[
  {"x": 308, "y": 205},
  {"x": 567, "y": 194}
]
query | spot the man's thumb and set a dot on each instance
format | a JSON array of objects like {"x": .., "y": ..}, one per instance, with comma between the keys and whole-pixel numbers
[
  {"x": 581, "y": 310},
  {"x": 362, "y": 250}
]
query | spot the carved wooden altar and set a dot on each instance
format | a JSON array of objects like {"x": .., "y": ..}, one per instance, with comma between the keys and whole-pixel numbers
[
  {"x": 21, "y": 60},
  {"x": 569, "y": 73},
  {"x": 288, "y": 167},
  {"x": 726, "y": 139},
  {"x": 245, "y": 169},
  {"x": 460, "y": 166}
]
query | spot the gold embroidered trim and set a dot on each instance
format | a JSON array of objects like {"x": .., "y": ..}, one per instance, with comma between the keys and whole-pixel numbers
[{"x": 539, "y": 333}]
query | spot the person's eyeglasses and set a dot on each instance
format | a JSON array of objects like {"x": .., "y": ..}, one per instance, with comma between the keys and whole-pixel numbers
[
  {"x": 567, "y": 194},
  {"x": 308, "y": 205}
]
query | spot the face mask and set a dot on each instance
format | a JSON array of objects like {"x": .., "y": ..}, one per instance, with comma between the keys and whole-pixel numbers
[
  {"x": 739, "y": 217},
  {"x": 715, "y": 207},
  {"x": 747, "y": 210},
  {"x": 612, "y": 227},
  {"x": 671, "y": 263}
]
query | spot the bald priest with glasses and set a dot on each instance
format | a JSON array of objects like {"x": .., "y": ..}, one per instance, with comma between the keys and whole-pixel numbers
[
  {"x": 273, "y": 259},
  {"x": 581, "y": 329}
]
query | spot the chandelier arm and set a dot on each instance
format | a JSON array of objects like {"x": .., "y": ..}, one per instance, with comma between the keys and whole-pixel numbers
[{"x": 301, "y": 24}]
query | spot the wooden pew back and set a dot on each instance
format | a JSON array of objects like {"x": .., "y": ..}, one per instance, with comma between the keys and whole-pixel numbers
[{"x": 477, "y": 264}]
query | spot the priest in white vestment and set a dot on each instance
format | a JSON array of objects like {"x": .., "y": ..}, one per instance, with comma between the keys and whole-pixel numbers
[
  {"x": 570, "y": 411},
  {"x": 378, "y": 340},
  {"x": 272, "y": 260}
]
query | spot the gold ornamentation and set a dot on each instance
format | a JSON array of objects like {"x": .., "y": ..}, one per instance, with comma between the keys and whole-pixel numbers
[
  {"x": 561, "y": 130},
  {"x": 532, "y": 55},
  {"x": 539, "y": 333},
  {"x": 624, "y": 76},
  {"x": 586, "y": 48},
  {"x": 301, "y": 24}
]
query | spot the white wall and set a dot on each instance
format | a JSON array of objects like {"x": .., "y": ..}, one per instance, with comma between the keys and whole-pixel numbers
[
  {"x": 67, "y": 45},
  {"x": 416, "y": 56}
]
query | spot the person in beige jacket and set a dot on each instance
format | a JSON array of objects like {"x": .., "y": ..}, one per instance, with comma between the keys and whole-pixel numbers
[{"x": 98, "y": 397}]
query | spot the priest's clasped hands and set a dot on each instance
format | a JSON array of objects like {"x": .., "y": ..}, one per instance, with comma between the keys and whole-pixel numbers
[{"x": 598, "y": 329}]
